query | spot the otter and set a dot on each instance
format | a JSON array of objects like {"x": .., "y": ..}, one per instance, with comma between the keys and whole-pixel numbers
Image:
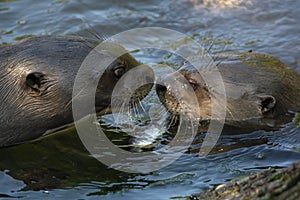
[
  {"x": 36, "y": 83},
  {"x": 262, "y": 93}
]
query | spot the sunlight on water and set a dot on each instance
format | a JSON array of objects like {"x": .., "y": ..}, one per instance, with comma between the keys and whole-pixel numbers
[{"x": 221, "y": 4}]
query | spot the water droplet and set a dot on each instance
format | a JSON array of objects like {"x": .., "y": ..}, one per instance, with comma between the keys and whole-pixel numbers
[
  {"x": 22, "y": 21},
  {"x": 261, "y": 155}
]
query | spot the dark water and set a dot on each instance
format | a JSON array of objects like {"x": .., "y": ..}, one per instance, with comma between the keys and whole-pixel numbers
[{"x": 59, "y": 167}]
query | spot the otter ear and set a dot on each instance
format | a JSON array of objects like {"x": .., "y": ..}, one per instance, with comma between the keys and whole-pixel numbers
[
  {"x": 34, "y": 79},
  {"x": 267, "y": 103}
]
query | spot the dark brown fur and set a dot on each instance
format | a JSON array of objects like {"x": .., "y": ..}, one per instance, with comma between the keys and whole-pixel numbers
[
  {"x": 260, "y": 91},
  {"x": 36, "y": 83}
]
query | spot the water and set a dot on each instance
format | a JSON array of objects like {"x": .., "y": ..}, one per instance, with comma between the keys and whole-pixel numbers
[{"x": 59, "y": 167}]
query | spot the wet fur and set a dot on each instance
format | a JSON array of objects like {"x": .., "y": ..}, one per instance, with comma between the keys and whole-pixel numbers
[
  {"x": 28, "y": 110},
  {"x": 260, "y": 91}
]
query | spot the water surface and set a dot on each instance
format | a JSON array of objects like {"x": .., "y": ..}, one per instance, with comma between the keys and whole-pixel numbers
[{"x": 60, "y": 168}]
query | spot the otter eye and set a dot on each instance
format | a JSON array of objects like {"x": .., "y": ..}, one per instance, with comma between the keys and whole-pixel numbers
[{"x": 119, "y": 71}]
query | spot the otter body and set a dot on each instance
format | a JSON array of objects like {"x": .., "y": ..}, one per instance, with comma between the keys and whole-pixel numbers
[
  {"x": 36, "y": 83},
  {"x": 260, "y": 92}
]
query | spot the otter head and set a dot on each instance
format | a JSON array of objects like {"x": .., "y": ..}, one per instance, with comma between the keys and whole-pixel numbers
[
  {"x": 250, "y": 104},
  {"x": 37, "y": 78}
]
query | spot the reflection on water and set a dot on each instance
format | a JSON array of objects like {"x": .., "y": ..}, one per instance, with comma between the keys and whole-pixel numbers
[
  {"x": 60, "y": 161},
  {"x": 57, "y": 161},
  {"x": 2, "y": 1}
]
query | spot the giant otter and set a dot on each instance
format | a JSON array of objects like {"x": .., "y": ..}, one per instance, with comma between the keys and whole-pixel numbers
[
  {"x": 36, "y": 83},
  {"x": 260, "y": 92}
]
